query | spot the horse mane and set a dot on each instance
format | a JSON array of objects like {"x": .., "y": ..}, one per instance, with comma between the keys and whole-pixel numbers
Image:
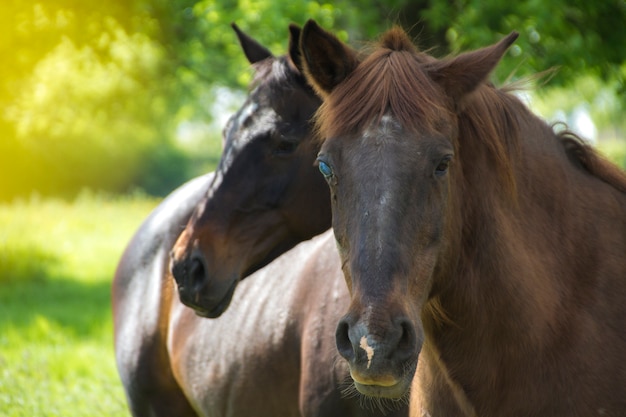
[
  {"x": 586, "y": 157},
  {"x": 278, "y": 73},
  {"x": 491, "y": 116}
]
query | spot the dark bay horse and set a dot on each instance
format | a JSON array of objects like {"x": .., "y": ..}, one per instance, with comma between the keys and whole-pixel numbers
[
  {"x": 272, "y": 352},
  {"x": 472, "y": 237},
  {"x": 264, "y": 196}
]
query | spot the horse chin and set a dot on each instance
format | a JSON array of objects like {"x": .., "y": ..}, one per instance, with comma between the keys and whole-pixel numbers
[{"x": 218, "y": 309}]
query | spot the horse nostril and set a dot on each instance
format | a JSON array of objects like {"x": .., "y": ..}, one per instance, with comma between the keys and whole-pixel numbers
[
  {"x": 353, "y": 341},
  {"x": 197, "y": 272},
  {"x": 177, "y": 269},
  {"x": 407, "y": 340},
  {"x": 342, "y": 339}
]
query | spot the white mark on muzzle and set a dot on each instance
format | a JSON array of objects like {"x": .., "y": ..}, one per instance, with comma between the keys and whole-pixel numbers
[{"x": 368, "y": 349}]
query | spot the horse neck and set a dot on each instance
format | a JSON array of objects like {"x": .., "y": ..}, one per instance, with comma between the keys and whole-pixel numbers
[{"x": 525, "y": 252}]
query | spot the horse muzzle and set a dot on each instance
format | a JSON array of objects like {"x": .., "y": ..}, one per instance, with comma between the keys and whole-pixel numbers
[
  {"x": 382, "y": 361},
  {"x": 197, "y": 290}
]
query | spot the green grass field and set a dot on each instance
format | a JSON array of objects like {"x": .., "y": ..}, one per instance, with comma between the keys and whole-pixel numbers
[{"x": 56, "y": 336}]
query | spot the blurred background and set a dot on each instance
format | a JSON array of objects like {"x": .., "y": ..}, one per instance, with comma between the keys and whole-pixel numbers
[
  {"x": 126, "y": 95},
  {"x": 107, "y": 106}
]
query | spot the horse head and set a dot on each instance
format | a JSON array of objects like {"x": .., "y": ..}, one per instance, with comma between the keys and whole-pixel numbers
[{"x": 266, "y": 196}]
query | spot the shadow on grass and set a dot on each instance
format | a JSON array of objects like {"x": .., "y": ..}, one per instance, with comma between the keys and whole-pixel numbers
[
  {"x": 26, "y": 263},
  {"x": 29, "y": 290}
]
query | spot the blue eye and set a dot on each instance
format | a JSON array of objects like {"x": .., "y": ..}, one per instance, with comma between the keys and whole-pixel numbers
[{"x": 325, "y": 169}]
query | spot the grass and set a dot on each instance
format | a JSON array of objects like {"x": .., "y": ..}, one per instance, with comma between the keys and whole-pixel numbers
[{"x": 57, "y": 261}]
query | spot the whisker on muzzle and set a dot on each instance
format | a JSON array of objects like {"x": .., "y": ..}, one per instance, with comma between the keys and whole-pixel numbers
[{"x": 384, "y": 405}]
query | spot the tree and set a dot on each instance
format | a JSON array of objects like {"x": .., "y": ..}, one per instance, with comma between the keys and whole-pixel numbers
[
  {"x": 578, "y": 37},
  {"x": 94, "y": 92}
]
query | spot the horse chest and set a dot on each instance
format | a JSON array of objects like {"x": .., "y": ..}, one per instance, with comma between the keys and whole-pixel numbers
[{"x": 237, "y": 366}]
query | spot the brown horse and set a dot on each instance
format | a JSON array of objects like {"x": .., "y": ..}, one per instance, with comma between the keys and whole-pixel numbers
[
  {"x": 272, "y": 352},
  {"x": 265, "y": 195},
  {"x": 471, "y": 235}
]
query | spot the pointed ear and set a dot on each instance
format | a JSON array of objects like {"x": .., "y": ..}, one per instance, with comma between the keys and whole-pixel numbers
[
  {"x": 253, "y": 50},
  {"x": 294, "y": 47},
  {"x": 326, "y": 60},
  {"x": 461, "y": 75}
]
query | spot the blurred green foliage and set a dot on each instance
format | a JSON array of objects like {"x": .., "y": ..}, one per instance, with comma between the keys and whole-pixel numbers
[
  {"x": 578, "y": 37},
  {"x": 83, "y": 101},
  {"x": 94, "y": 94}
]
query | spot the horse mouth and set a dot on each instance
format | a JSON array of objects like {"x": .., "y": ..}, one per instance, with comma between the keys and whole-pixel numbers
[
  {"x": 205, "y": 307},
  {"x": 396, "y": 391},
  {"x": 201, "y": 306},
  {"x": 220, "y": 307}
]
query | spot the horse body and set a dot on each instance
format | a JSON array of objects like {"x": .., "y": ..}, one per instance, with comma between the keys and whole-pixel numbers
[
  {"x": 272, "y": 352},
  {"x": 143, "y": 294},
  {"x": 483, "y": 251}
]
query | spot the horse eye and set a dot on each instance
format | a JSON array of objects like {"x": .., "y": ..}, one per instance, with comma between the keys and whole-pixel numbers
[
  {"x": 325, "y": 169},
  {"x": 285, "y": 147},
  {"x": 442, "y": 168}
]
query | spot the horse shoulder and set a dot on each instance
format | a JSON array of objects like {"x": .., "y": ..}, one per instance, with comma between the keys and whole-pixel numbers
[
  {"x": 142, "y": 272},
  {"x": 275, "y": 337},
  {"x": 141, "y": 292},
  {"x": 246, "y": 361}
]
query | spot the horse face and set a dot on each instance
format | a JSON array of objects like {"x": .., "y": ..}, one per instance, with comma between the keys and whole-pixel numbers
[
  {"x": 390, "y": 194},
  {"x": 266, "y": 194},
  {"x": 390, "y": 123}
]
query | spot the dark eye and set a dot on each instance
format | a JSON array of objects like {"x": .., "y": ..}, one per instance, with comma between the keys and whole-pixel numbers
[
  {"x": 325, "y": 169},
  {"x": 285, "y": 147},
  {"x": 443, "y": 165}
]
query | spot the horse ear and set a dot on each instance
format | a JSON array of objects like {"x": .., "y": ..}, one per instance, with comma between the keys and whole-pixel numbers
[
  {"x": 294, "y": 47},
  {"x": 326, "y": 60},
  {"x": 461, "y": 75},
  {"x": 253, "y": 50}
]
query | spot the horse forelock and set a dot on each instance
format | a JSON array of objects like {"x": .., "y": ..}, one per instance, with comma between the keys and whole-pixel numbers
[
  {"x": 277, "y": 74},
  {"x": 391, "y": 80},
  {"x": 397, "y": 39}
]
